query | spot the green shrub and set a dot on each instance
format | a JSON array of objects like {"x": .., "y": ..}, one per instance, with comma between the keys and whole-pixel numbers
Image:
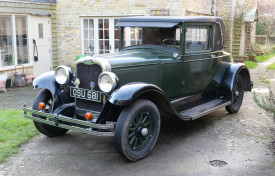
[{"x": 266, "y": 102}]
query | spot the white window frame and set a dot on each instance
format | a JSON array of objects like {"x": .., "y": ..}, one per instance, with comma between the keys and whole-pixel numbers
[
  {"x": 111, "y": 31},
  {"x": 96, "y": 34},
  {"x": 14, "y": 47}
]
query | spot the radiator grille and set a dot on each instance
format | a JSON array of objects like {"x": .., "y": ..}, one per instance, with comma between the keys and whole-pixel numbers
[{"x": 86, "y": 74}]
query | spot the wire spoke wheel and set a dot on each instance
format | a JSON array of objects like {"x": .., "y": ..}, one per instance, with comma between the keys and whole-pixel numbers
[
  {"x": 237, "y": 95},
  {"x": 137, "y": 129},
  {"x": 140, "y": 130}
]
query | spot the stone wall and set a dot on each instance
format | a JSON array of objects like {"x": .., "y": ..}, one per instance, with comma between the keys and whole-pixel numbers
[
  {"x": 69, "y": 13},
  {"x": 225, "y": 10},
  {"x": 27, "y": 71}
]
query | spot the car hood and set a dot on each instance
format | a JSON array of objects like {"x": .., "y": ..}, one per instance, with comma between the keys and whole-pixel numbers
[{"x": 138, "y": 56}]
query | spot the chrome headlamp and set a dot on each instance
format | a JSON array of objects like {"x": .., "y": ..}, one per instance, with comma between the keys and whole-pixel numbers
[
  {"x": 63, "y": 74},
  {"x": 107, "y": 81}
]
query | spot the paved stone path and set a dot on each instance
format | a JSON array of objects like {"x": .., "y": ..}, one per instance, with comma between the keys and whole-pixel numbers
[{"x": 16, "y": 96}]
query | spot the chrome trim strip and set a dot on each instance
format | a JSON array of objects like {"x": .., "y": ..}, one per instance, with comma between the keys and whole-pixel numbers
[
  {"x": 54, "y": 121},
  {"x": 104, "y": 64},
  {"x": 172, "y": 62}
]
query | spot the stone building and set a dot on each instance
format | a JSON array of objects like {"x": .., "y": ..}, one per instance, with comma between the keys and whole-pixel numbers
[
  {"x": 74, "y": 27},
  {"x": 21, "y": 23},
  {"x": 239, "y": 33},
  {"x": 89, "y": 24},
  {"x": 85, "y": 24}
]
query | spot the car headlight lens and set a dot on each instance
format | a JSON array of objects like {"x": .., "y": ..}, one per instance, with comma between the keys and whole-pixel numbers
[
  {"x": 107, "y": 81},
  {"x": 63, "y": 74}
]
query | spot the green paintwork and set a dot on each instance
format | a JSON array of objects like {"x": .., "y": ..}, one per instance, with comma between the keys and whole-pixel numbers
[{"x": 188, "y": 74}]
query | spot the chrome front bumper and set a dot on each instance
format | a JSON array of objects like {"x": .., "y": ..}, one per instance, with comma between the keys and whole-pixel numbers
[{"x": 70, "y": 123}]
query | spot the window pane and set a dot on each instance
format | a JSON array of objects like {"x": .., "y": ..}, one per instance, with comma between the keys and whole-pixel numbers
[
  {"x": 21, "y": 39},
  {"x": 100, "y": 23},
  {"x": 116, "y": 35},
  {"x": 100, "y": 33},
  {"x": 86, "y": 34},
  {"x": 106, "y": 34},
  {"x": 40, "y": 30},
  {"x": 85, "y": 23},
  {"x": 106, "y": 23},
  {"x": 107, "y": 45},
  {"x": 197, "y": 38},
  {"x": 6, "y": 41},
  {"x": 91, "y": 33},
  {"x": 91, "y": 23},
  {"x": 86, "y": 44}
]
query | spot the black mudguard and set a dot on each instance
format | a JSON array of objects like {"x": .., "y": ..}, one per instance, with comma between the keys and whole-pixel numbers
[
  {"x": 226, "y": 86},
  {"x": 61, "y": 94},
  {"x": 127, "y": 94}
]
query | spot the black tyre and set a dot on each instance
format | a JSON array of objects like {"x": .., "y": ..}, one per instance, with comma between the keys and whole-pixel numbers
[
  {"x": 51, "y": 131},
  {"x": 137, "y": 130},
  {"x": 237, "y": 95}
]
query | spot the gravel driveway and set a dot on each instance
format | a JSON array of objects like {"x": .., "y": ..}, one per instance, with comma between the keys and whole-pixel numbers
[{"x": 243, "y": 141}]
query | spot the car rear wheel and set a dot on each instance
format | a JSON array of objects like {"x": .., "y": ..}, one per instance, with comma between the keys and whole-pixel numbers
[
  {"x": 137, "y": 130},
  {"x": 51, "y": 131},
  {"x": 237, "y": 95}
]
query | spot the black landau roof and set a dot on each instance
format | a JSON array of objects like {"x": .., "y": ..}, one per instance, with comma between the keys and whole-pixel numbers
[{"x": 164, "y": 21}]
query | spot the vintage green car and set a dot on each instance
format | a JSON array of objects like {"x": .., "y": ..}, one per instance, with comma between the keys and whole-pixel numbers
[{"x": 165, "y": 67}]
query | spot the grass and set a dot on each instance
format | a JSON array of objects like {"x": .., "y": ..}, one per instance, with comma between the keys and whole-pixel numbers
[
  {"x": 14, "y": 131},
  {"x": 263, "y": 58},
  {"x": 264, "y": 80},
  {"x": 250, "y": 64},
  {"x": 271, "y": 67}
]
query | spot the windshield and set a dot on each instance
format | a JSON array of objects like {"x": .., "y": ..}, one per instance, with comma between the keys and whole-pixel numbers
[{"x": 168, "y": 37}]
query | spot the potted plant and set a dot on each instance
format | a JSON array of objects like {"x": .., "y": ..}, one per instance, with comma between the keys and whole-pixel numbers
[
  {"x": 251, "y": 56},
  {"x": 243, "y": 58},
  {"x": 239, "y": 59}
]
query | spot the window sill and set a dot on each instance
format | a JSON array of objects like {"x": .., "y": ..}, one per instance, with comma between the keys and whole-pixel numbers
[{"x": 12, "y": 67}]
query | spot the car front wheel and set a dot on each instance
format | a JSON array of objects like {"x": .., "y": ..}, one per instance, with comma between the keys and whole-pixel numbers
[
  {"x": 137, "y": 130},
  {"x": 51, "y": 131}
]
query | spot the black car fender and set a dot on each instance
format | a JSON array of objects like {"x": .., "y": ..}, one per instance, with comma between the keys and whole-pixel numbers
[
  {"x": 60, "y": 94},
  {"x": 226, "y": 86},
  {"x": 128, "y": 93}
]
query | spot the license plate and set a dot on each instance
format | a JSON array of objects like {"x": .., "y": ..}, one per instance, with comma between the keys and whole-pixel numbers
[{"x": 85, "y": 94}]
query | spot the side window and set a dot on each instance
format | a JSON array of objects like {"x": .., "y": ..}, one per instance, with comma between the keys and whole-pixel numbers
[
  {"x": 197, "y": 38},
  {"x": 218, "y": 43}
]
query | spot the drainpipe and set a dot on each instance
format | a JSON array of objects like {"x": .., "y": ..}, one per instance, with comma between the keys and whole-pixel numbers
[{"x": 214, "y": 7}]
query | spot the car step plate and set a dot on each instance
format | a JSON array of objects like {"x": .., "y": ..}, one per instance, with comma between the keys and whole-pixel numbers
[{"x": 203, "y": 109}]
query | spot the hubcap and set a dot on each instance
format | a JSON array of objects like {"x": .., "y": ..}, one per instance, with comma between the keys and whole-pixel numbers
[
  {"x": 144, "y": 131},
  {"x": 140, "y": 131},
  {"x": 237, "y": 93}
]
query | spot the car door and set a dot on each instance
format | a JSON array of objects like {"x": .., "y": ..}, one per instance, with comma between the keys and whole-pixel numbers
[{"x": 198, "y": 64}]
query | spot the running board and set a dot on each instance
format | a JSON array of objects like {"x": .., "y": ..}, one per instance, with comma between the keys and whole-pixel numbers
[{"x": 203, "y": 109}]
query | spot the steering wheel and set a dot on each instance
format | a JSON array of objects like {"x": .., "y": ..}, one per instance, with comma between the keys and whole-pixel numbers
[{"x": 170, "y": 41}]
